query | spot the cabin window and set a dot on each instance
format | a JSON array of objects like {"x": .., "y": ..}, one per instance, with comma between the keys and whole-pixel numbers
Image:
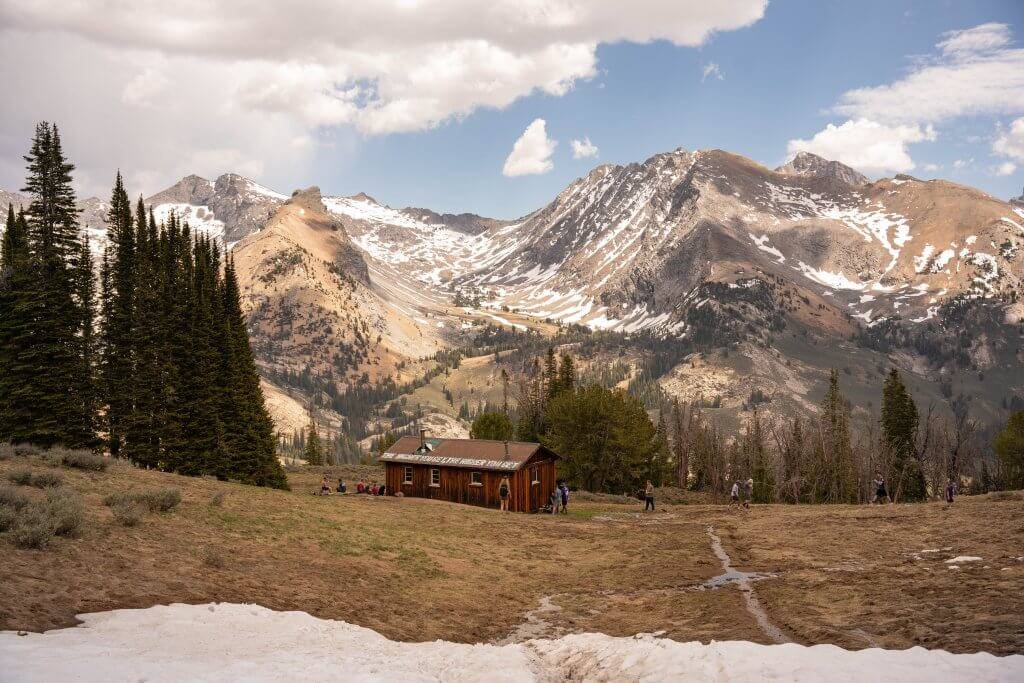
[
  {"x": 476, "y": 479},
  {"x": 408, "y": 476},
  {"x": 435, "y": 476},
  {"x": 534, "y": 475}
]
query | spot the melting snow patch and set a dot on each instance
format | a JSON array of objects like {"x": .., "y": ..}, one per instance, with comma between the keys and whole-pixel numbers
[
  {"x": 963, "y": 558},
  {"x": 252, "y": 643},
  {"x": 833, "y": 280}
]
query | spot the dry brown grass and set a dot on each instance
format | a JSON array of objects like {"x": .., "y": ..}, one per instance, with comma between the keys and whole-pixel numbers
[{"x": 420, "y": 570}]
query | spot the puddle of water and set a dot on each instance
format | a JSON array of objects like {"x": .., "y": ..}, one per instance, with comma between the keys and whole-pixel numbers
[{"x": 744, "y": 581}]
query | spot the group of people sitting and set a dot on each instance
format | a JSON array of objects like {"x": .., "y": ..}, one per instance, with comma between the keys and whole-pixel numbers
[{"x": 373, "y": 488}]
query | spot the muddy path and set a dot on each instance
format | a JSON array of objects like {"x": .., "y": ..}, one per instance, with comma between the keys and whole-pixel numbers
[{"x": 745, "y": 582}]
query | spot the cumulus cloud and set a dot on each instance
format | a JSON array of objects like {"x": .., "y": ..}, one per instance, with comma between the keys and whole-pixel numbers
[
  {"x": 584, "y": 149},
  {"x": 1006, "y": 168},
  {"x": 531, "y": 153},
  {"x": 710, "y": 70},
  {"x": 868, "y": 146},
  {"x": 1010, "y": 143},
  {"x": 375, "y": 67},
  {"x": 974, "y": 71}
]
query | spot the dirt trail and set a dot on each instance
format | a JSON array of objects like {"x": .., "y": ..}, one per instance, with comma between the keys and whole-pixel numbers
[{"x": 745, "y": 582}]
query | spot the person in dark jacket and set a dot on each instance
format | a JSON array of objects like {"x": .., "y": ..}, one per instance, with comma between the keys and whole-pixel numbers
[
  {"x": 649, "y": 497},
  {"x": 565, "y": 497},
  {"x": 341, "y": 486},
  {"x": 504, "y": 489}
]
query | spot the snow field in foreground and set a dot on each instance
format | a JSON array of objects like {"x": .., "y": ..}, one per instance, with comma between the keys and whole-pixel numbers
[{"x": 219, "y": 642}]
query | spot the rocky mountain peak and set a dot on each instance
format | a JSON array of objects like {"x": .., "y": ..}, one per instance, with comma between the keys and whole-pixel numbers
[
  {"x": 808, "y": 164},
  {"x": 363, "y": 197}
]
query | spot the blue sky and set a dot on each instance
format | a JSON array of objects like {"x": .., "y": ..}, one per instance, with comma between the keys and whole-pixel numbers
[
  {"x": 779, "y": 79},
  {"x": 421, "y": 103}
]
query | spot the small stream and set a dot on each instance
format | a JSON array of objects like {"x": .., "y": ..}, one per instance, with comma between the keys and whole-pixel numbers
[{"x": 745, "y": 582}]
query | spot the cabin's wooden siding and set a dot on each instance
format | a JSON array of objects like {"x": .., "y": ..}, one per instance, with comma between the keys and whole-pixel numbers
[{"x": 455, "y": 486}]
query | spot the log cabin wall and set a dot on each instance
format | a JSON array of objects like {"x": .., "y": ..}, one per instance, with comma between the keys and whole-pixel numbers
[{"x": 455, "y": 484}]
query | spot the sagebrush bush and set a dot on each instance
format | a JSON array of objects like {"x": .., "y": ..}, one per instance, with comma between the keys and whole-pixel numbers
[
  {"x": 11, "y": 497},
  {"x": 33, "y": 528},
  {"x": 45, "y": 480},
  {"x": 214, "y": 557},
  {"x": 218, "y": 499},
  {"x": 154, "y": 500},
  {"x": 6, "y": 451},
  {"x": 21, "y": 476},
  {"x": 25, "y": 449},
  {"x": 128, "y": 513},
  {"x": 7, "y": 517},
  {"x": 80, "y": 458},
  {"x": 66, "y": 511}
]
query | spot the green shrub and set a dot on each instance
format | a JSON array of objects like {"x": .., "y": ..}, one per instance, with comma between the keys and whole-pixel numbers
[
  {"x": 161, "y": 500},
  {"x": 66, "y": 511},
  {"x": 45, "y": 480},
  {"x": 154, "y": 500},
  {"x": 21, "y": 476},
  {"x": 24, "y": 449},
  {"x": 7, "y": 517},
  {"x": 6, "y": 451},
  {"x": 80, "y": 458},
  {"x": 128, "y": 513},
  {"x": 33, "y": 528},
  {"x": 214, "y": 557},
  {"x": 26, "y": 477},
  {"x": 11, "y": 497}
]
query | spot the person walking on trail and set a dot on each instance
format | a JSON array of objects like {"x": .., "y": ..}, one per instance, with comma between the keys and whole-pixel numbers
[
  {"x": 880, "y": 492},
  {"x": 734, "y": 496},
  {"x": 503, "y": 490},
  {"x": 565, "y": 498},
  {"x": 649, "y": 497},
  {"x": 748, "y": 493},
  {"x": 950, "y": 492}
]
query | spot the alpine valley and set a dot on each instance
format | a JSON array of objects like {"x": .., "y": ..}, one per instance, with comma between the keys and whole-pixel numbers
[{"x": 700, "y": 276}]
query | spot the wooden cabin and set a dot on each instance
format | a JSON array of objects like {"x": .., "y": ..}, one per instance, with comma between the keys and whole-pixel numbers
[{"x": 470, "y": 471}]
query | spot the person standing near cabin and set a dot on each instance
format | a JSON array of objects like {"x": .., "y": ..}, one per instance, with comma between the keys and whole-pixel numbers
[
  {"x": 504, "y": 488},
  {"x": 556, "y": 499},
  {"x": 565, "y": 498},
  {"x": 649, "y": 497}
]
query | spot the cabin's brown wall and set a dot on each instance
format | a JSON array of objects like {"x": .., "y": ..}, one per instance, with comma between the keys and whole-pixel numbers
[{"x": 454, "y": 485}]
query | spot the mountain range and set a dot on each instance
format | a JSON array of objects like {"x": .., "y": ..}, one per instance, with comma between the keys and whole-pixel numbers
[{"x": 769, "y": 277}]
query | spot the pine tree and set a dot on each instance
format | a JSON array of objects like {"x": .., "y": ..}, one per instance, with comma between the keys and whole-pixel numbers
[
  {"x": 251, "y": 439},
  {"x": 14, "y": 290},
  {"x": 551, "y": 374},
  {"x": 566, "y": 374},
  {"x": 48, "y": 379},
  {"x": 118, "y": 311},
  {"x": 838, "y": 450},
  {"x": 314, "y": 453},
  {"x": 899, "y": 431},
  {"x": 761, "y": 467},
  {"x": 1009, "y": 447}
]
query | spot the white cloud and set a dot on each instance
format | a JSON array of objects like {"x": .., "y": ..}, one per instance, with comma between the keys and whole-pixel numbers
[
  {"x": 144, "y": 88},
  {"x": 1006, "y": 168},
  {"x": 960, "y": 164},
  {"x": 711, "y": 70},
  {"x": 531, "y": 153},
  {"x": 867, "y": 146},
  {"x": 584, "y": 149},
  {"x": 1010, "y": 143},
  {"x": 975, "y": 71},
  {"x": 253, "y": 77}
]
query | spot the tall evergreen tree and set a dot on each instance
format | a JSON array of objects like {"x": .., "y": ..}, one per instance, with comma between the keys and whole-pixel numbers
[
  {"x": 841, "y": 486},
  {"x": 117, "y": 335},
  {"x": 48, "y": 379},
  {"x": 250, "y": 441},
  {"x": 314, "y": 453},
  {"x": 15, "y": 288},
  {"x": 899, "y": 431}
]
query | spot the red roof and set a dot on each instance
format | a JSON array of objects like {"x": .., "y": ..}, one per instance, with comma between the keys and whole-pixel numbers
[{"x": 480, "y": 454}]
